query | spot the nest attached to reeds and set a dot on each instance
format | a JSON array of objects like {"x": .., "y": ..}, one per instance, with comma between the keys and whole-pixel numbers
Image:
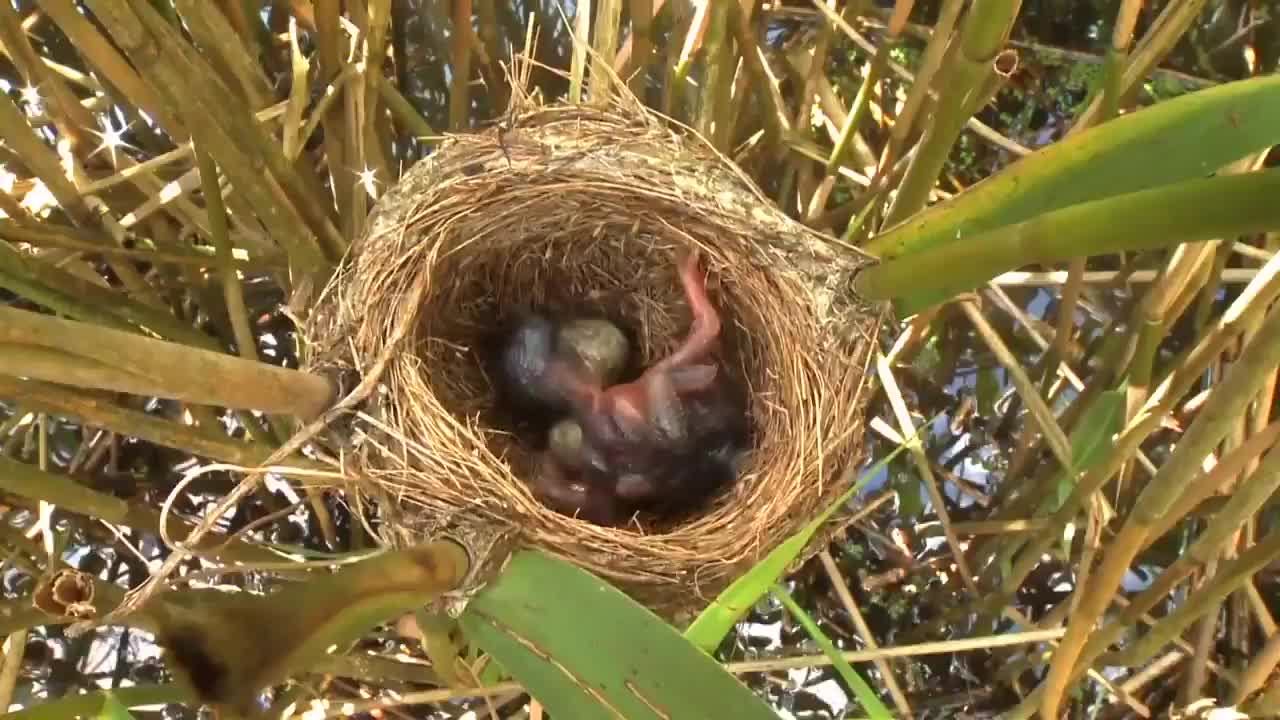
[{"x": 589, "y": 207}]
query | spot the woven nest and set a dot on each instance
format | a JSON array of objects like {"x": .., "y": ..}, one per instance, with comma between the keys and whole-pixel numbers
[{"x": 590, "y": 208}]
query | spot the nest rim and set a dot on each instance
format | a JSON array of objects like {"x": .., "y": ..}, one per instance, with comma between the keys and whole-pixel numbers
[{"x": 489, "y": 213}]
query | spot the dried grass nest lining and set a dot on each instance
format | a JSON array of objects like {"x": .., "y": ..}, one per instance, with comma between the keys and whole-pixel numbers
[{"x": 589, "y": 209}]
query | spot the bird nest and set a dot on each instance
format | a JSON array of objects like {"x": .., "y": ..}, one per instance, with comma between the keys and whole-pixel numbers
[{"x": 590, "y": 208}]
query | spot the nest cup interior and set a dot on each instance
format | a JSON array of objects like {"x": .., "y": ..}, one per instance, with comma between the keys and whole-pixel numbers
[
  {"x": 588, "y": 263},
  {"x": 589, "y": 215},
  {"x": 622, "y": 275}
]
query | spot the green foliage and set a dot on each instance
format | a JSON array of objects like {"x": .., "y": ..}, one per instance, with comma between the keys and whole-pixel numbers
[
  {"x": 1142, "y": 150},
  {"x": 1176, "y": 213},
  {"x": 908, "y": 485},
  {"x": 1089, "y": 443},
  {"x": 586, "y": 650},
  {"x": 113, "y": 710},
  {"x": 104, "y": 704},
  {"x": 870, "y": 701},
  {"x": 711, "y": 626}
]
